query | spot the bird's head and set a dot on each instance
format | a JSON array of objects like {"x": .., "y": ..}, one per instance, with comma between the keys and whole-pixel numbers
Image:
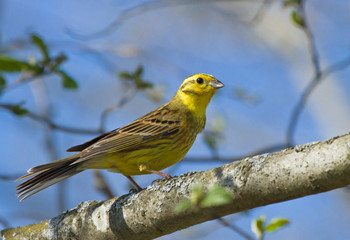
[
  {"x": 200, "y": 84},
  {"x": 196, "y": 91}
]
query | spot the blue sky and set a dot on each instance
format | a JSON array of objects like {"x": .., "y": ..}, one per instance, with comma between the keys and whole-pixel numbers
[{"x": 268, "y": 61}]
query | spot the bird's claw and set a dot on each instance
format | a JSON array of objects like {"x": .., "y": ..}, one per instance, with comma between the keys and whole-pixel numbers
[
  {"x": 133, "y": 190},
  {"x": 166, "y": 177}
]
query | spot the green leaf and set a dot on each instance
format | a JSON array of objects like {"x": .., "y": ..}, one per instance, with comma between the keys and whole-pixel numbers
[
  {"x": 2, "y": 83},
  {"x": 125, "y": 75},
  {"x": 141, "y": 84},
  {"x": 41, "y": 45},
  {"x": 216, "y": 196},
  {"x": 8, "y": 64},
  {"x": 138, "y": 71},
  {"x": 136, "y": 78},
  {"x": 67, "y": 81},
  {"x": 275, "y": 224},
  {"x": 298, "y": 19},
  {"x": 183, "y": 206},
  {"x": 197, "y": 194},
  {"x": 257, "y": 227},
  {"x": 19, "y": 110},
  {"x": 210, "y": 139}
]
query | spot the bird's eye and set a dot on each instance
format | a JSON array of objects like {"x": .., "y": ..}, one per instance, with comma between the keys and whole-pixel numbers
[{"x": 200, "y": 80}]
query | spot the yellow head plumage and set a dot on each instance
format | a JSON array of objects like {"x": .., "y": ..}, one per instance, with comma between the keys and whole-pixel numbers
[{"x": 196, "y": 91}]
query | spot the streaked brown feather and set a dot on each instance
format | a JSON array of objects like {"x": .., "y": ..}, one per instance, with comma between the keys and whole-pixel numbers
[
  {"x": 81, "y": 147},
  {"x": 155, "y": 125},
  {"x": 47, "y": 175}
]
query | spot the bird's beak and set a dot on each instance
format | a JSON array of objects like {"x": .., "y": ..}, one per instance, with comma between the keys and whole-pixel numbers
[{"x": 216, "y": 84}]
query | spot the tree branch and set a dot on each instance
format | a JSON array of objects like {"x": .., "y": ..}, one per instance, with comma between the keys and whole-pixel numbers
[{"x": 255, "y": 181}]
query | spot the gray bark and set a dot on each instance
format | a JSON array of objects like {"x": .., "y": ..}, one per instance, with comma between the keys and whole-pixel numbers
[{"x": 256, "y": 181}]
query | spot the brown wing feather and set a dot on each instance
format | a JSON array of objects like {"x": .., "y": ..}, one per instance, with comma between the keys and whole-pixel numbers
[
  {"x": 81, "y": 147},
  {"x": 158, "y": 124}
]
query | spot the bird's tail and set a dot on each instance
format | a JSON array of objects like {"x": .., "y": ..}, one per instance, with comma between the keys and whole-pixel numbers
[{"x": 47, "y": 175}]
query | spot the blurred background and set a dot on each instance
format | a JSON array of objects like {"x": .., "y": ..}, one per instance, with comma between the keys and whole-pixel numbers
[{"x": 73, "y": 69}]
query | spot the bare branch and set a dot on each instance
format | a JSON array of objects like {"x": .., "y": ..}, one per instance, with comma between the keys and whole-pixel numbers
[
  {"x": 9, "y": 177},
  {"x": 235, "y": 228},
  {"x": 45, "y": 108},
  {"x": 61, "y": 127},
  {"x": 25, "y": 78},
  {"x": 102, "y": 185},
  {"x": 51, "y": 124},
  {"x": 4, "y": 223},
  {"x": 260, "y": 13},
  {"x": 140, "y": 9},
  {"x": 116, "y": 106},
  {"x": 313, "y": 52}
]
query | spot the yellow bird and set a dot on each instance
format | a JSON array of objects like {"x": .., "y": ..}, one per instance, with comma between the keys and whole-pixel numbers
[{"x": 149, "y": 144}]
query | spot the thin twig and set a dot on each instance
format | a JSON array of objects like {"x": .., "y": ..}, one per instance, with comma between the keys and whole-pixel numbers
[
  {"x": 45, "y": 107},
  {"x": 25, "y": 78},
  {"x": 231, "y": 226},
  {"x": 4, "y": 223},
  {"x": 260, "y": 13},
  {"x": 116, "y": 106},
  {"x": 141, "y": 9},
  {"x": 235, "y": 228},
  {"x": 102, "y": 185},
  {"x": 9, "y": 177},
  {"x": 51, "y": 124},
  {"x": 313, "y": 52},
  {"x": 62, "y": 128}
]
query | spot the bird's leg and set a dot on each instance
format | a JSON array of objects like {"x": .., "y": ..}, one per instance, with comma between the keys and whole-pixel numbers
[
  {"x": 136, "y": 185},
  {"x": 144, "y": 167},
  {"x": 166, "y": 176}
]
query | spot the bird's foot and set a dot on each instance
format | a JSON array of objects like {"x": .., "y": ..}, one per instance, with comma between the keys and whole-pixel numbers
[
  {"x": 164, "y": 175},
  {"x": 133, "y": 190}
]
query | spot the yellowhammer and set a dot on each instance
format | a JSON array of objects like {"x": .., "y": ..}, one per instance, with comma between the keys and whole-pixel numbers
[{"x": 149, "y": 144}]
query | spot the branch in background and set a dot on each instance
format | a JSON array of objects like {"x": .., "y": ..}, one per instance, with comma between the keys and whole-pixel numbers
[
  {"x": 141, "y": 9},
  {"x": 62, "y": 128},
  {"x": 200, "y": 232},
  {"x": 48, "y": 122},
  {"x": 102, "y": 185},
  {"x": 4, "y": 223},
  {"x": 45, "y": 108},
  {"x": 258, "y": 181},
  {"x": 9, "y": 177},
  {"x": 299, "y": 17},
  {"x": 25, "y": 78},
  {"x": 336, "y": 67},
  {"x": 234, "y": 228},
  {"x": 312, "y": 49},
  {"x": 131, "y": 94},
  {"x": 260, "y": 13}
]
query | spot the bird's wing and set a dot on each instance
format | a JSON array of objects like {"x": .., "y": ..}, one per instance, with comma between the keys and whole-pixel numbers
[
  {"x": 85, "y": 145},
  {"x": 156, "y": 125}
]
